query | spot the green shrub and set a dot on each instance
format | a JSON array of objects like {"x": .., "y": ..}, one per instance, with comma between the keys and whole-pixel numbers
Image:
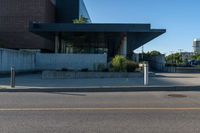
[
  {"x": 101, "y": 67},
  {"x": 198, "y": 66},
  {"x": 119, "y": 63},
  {"x": 81, "y": 20},
  {"x": 131, "y": 66}
]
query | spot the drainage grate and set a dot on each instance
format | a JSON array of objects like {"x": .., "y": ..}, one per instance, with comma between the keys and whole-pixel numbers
[{"x": 177, "y": 95}]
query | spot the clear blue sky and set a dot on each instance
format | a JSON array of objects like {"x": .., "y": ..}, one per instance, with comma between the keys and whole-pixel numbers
[{"x": 181, "y": 18}]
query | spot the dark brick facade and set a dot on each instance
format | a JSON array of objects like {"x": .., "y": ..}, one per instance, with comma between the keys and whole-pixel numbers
[{"x": 15, "y": 16}]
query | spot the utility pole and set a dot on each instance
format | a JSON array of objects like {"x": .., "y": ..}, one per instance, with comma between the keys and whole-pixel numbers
[
  {"x": 143, "y": 53},
  {"x": 12, "y": 79}
]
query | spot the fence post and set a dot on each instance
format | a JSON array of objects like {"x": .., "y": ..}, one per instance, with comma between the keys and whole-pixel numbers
[
  {"x": 12, "y": 80},
  {"x": 146, "y": 73}
]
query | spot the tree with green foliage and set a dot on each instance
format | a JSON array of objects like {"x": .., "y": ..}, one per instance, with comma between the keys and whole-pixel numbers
[
  {"x": 81, "y": 20},
  {"x": 131, "y": 66},
  {"x": 196, "y": 57},
  {"x": 154, "y": 53},
  {"x": 174, "y": 59},
  {"x": 149, "y": 55}
]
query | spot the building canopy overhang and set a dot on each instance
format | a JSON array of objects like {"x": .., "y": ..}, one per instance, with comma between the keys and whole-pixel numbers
[{"x": 137, "y": 34}]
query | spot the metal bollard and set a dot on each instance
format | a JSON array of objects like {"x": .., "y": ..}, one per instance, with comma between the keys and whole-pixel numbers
[
  {"x": 12, "y": 80},
  {"x": 146, "y": 74}
]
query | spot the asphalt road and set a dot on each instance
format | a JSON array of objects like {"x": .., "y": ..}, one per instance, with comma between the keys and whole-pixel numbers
[{"x": 131, "y": 112}]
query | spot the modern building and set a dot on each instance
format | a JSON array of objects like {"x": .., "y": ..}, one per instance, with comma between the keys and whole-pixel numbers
[
  {"x": 48, "y": 25},
  {"x": 15, "y": 16},
  {"x": 196, "y": 46}
]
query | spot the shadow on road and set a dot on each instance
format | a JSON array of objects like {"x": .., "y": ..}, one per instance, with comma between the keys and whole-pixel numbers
[{"x": 64, "y": 93}]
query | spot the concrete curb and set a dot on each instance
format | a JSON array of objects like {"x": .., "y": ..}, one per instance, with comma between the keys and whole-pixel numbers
[{"x": 107, "y": 89}]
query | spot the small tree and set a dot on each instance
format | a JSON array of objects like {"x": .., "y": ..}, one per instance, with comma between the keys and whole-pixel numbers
[
  {"x": 119, "y": 63},
  {"x": 154, "y": 53},
  {"x": 81, "y": 20},
  {"x": 149, "y": 55},
  {"x": 131, "y": 66},
  {"x": 174, "y": 59},
  {"x": 196, "y": 57}
]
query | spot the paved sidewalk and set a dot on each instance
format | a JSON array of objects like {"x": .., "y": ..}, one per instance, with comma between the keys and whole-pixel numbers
[{"x": 160, "y": 80}]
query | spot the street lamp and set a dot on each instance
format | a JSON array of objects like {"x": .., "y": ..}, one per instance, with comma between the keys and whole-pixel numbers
[{"x": 143, "y": 53}]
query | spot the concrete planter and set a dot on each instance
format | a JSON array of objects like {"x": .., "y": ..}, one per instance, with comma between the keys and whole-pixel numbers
[{"x": 81, "y": 75}]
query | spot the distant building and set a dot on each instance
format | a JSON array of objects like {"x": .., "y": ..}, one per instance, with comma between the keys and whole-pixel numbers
[
  {"x": 196, "y": 46},
  {"x": 186, "y": 55}
]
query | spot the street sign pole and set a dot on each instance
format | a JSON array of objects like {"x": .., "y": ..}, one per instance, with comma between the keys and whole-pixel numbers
[
  {"x": 146, "y": 74},
  {"x": 12, "y": 80}
]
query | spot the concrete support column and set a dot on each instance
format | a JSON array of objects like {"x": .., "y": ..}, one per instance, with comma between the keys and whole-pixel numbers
[
  {"x": 131, "y": 44},
  {"x": 57, "y": 43},
  {"x": 123, "y": 47},
  {"x": 63, "y": 49}
]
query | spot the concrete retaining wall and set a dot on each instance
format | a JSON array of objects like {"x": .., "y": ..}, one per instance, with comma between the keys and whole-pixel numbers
[
  {"x": 29, "y": 61},
  {"x": 187, "y": 70},
  {"x": 22, "y": 61},
  {"x": 181, "y": 69},
  {"x": 79, "y": 75},
  {"x": 69, "y": 61}
]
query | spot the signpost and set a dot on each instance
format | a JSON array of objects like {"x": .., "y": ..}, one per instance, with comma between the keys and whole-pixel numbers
[
  {"x": 146, "y": 73},
  {"x": 12, "y": 80}
]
